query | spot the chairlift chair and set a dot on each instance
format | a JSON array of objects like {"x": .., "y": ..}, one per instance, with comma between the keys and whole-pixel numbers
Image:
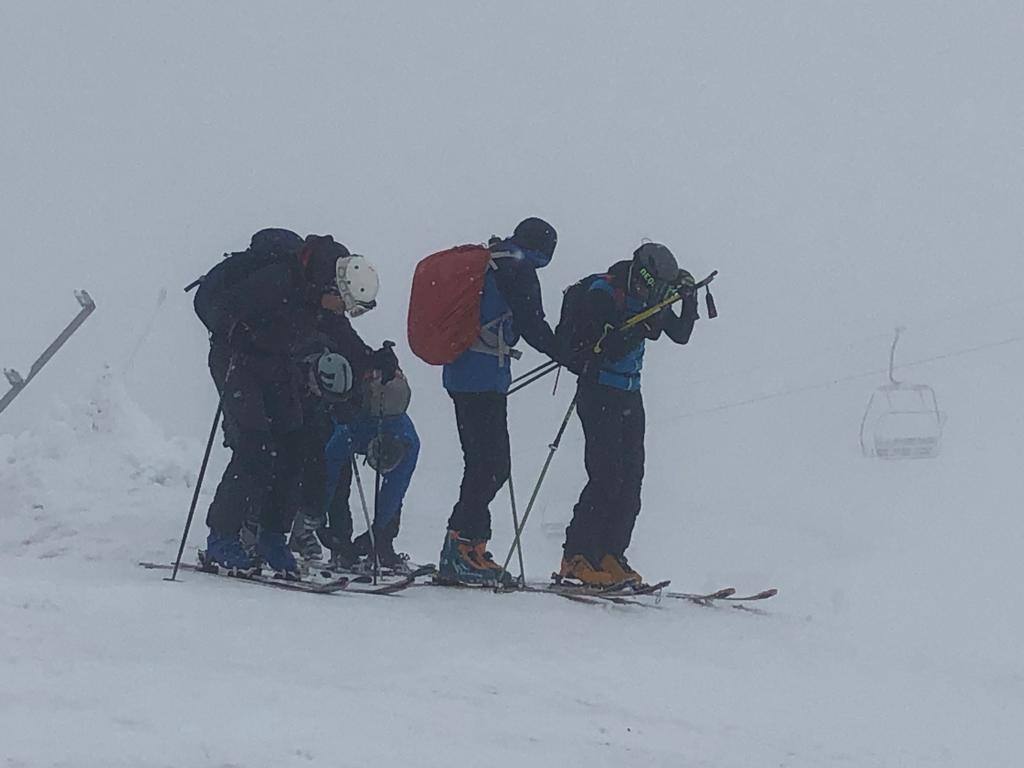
[{"x": 901, "y": 421}]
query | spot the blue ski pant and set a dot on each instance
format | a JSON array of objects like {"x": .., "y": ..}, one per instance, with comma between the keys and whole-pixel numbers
[{"x": 354, "y": 438}]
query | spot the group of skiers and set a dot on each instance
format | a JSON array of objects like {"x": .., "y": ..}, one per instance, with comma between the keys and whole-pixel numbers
[{"x": 302, "y": 395}]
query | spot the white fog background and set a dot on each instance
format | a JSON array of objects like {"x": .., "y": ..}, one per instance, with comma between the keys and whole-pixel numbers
[{"x": 847, "y": 167}]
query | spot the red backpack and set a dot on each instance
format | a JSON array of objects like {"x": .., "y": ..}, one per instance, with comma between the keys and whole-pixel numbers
[{"x": 444, "y": 309}]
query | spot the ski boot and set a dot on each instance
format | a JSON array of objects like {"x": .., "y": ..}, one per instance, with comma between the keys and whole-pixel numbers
[
  {"x": 387, "y": 557},
  {"x": 275, "y": 553},
  {"x": 578, "y": 568},
  {"x": 344, "y": 556},
  {"x": 397, "y": 562},
  {"x": 303, "y": 543},
  {"x": 618, "y": 566},
  {"x": 466, "y": 561},
  {"x": 225, "y": 551},
  {"x": 248, "y": 535}
]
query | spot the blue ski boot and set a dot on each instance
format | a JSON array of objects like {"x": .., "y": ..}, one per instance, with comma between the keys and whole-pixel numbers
[
  {"x": 225, "y": 551},
  {"x": 466, "y": 561},
  {"x": 273, "y": 550}
]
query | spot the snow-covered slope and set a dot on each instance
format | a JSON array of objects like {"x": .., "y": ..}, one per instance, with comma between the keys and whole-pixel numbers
[{"x": 891, "y": 643}]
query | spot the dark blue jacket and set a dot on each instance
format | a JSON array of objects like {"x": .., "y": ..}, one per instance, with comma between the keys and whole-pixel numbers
[
  {"x": 608, "y": 304},
  {"x": 512, "y": 306}
]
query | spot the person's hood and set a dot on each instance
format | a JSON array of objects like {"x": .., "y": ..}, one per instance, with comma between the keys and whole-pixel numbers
[
  {"x": 282, "y": 242},
  {"x": 319, "y": 257},
  {"x": 536, "y": 259}
]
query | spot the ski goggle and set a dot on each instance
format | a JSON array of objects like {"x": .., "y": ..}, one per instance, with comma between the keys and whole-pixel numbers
[{"x": 359, "y": 307}]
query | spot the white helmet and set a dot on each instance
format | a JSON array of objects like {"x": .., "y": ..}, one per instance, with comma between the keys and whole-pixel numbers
[
  {"x": 357, "y": 283},
  {"x": 333, "y": 375}
]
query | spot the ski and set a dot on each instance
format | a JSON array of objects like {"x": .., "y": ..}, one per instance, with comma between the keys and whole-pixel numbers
[
  {"x": 390, "y": 582},
  {"x": 312, "y": 587},
  {"x": 621, "y": 594},
  {"x": 618, "y": 594},
  {"x": 389, "y": 587},
  {"x": 361, "y": 573},
  {"x": 728, "y": 594},
  {"x": 762, "y": 595}
]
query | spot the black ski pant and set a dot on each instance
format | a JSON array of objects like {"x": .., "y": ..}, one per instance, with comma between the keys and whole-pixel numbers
[
  {"x": 613, "y": 427},
  {"x": 263, "y": 479},
  {"x": 482, "y": 418},
  {"x": 263, "y": 428},
  {"x": 316, "y": 429}
]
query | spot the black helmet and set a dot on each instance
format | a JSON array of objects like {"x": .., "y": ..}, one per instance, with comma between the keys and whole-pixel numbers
[
  {"x": 535, "y": 234},
  {"x": 653, "y": 274}
]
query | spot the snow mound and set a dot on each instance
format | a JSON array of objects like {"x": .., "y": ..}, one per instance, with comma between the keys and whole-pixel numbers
[{"x": 95, "y": 467}]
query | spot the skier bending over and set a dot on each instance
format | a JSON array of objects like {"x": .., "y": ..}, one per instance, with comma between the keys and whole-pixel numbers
[
  {"x": 610, "y": 405},
  {"x": 478, "y": 383},
  {"x": 260, "y": 306},
  {"x": 370, "y": 419}
]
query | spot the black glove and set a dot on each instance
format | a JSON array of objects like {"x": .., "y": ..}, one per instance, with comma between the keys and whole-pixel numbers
[
  {"x": 684, "y": 283},
  {"x": 575, "y": 363},
  {"x": 619, "y": 343},
  {"x": 385, "y": 361}
]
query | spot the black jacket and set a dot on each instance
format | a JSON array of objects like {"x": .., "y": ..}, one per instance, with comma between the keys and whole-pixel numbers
[{"x": 269, "y": 311}]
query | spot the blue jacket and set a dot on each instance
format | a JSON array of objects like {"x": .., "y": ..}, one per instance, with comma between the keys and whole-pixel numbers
[
  {"x": 608, "y": 303},
  {"x": 511, "y": 306},
  {"x": 622, "y": 372}
]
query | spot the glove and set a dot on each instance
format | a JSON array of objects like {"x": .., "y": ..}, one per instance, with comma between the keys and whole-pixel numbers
[
  {"x": 385, "y": 361},
  {"x": 684, "y": 282},
  {"x": 617, "y": 344}
]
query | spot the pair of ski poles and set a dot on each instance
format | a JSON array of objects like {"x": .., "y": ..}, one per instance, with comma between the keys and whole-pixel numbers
[{"x": 545, "y": 368}]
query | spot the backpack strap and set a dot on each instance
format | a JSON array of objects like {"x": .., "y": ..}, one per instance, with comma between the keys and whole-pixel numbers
[
  {"x": 491, "y": 340},
  {"x": 496, "y": 255}
]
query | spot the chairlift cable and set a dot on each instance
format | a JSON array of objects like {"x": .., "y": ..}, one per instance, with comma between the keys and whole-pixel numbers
[{"x": 843, "y": 379}]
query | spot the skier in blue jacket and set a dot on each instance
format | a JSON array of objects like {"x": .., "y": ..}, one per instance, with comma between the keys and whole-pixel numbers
[
  {"x": 611, "y": 407},
  {"x": 478, "y": 382}
]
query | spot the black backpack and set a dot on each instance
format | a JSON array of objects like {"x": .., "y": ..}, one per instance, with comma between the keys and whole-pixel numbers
[
  {"x": 268, "y": 246},
  {"x": 575, "y": 349}
]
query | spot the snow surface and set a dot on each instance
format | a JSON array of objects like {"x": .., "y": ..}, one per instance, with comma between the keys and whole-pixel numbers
[{"x": 847, "y": 167}]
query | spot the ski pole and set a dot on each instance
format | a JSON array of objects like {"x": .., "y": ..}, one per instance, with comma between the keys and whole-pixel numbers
[
  {"x": 195, "y": 494},
  {"x": 553, "y": 366},
  {"x": 532, "y": 371},
  {"x": 202, "y": 470},
  {"x": 376, "y": 505},
  {"x": 515, "y": 523},
  {"x": 544, "y": 369},
  {"x": 650, "y": 312},
  {"x": 366, "y": 514},
  {"x": 536, "y": 489},
  {"x": 376, "y": 471}
]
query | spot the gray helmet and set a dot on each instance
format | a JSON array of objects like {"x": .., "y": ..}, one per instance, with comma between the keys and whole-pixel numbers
[
  {"x": 333, "y": 375},
  {"x": 391, "y": 399},
  {"x": 653, "y": 274},
  {"x": 385, "y": 452}
]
